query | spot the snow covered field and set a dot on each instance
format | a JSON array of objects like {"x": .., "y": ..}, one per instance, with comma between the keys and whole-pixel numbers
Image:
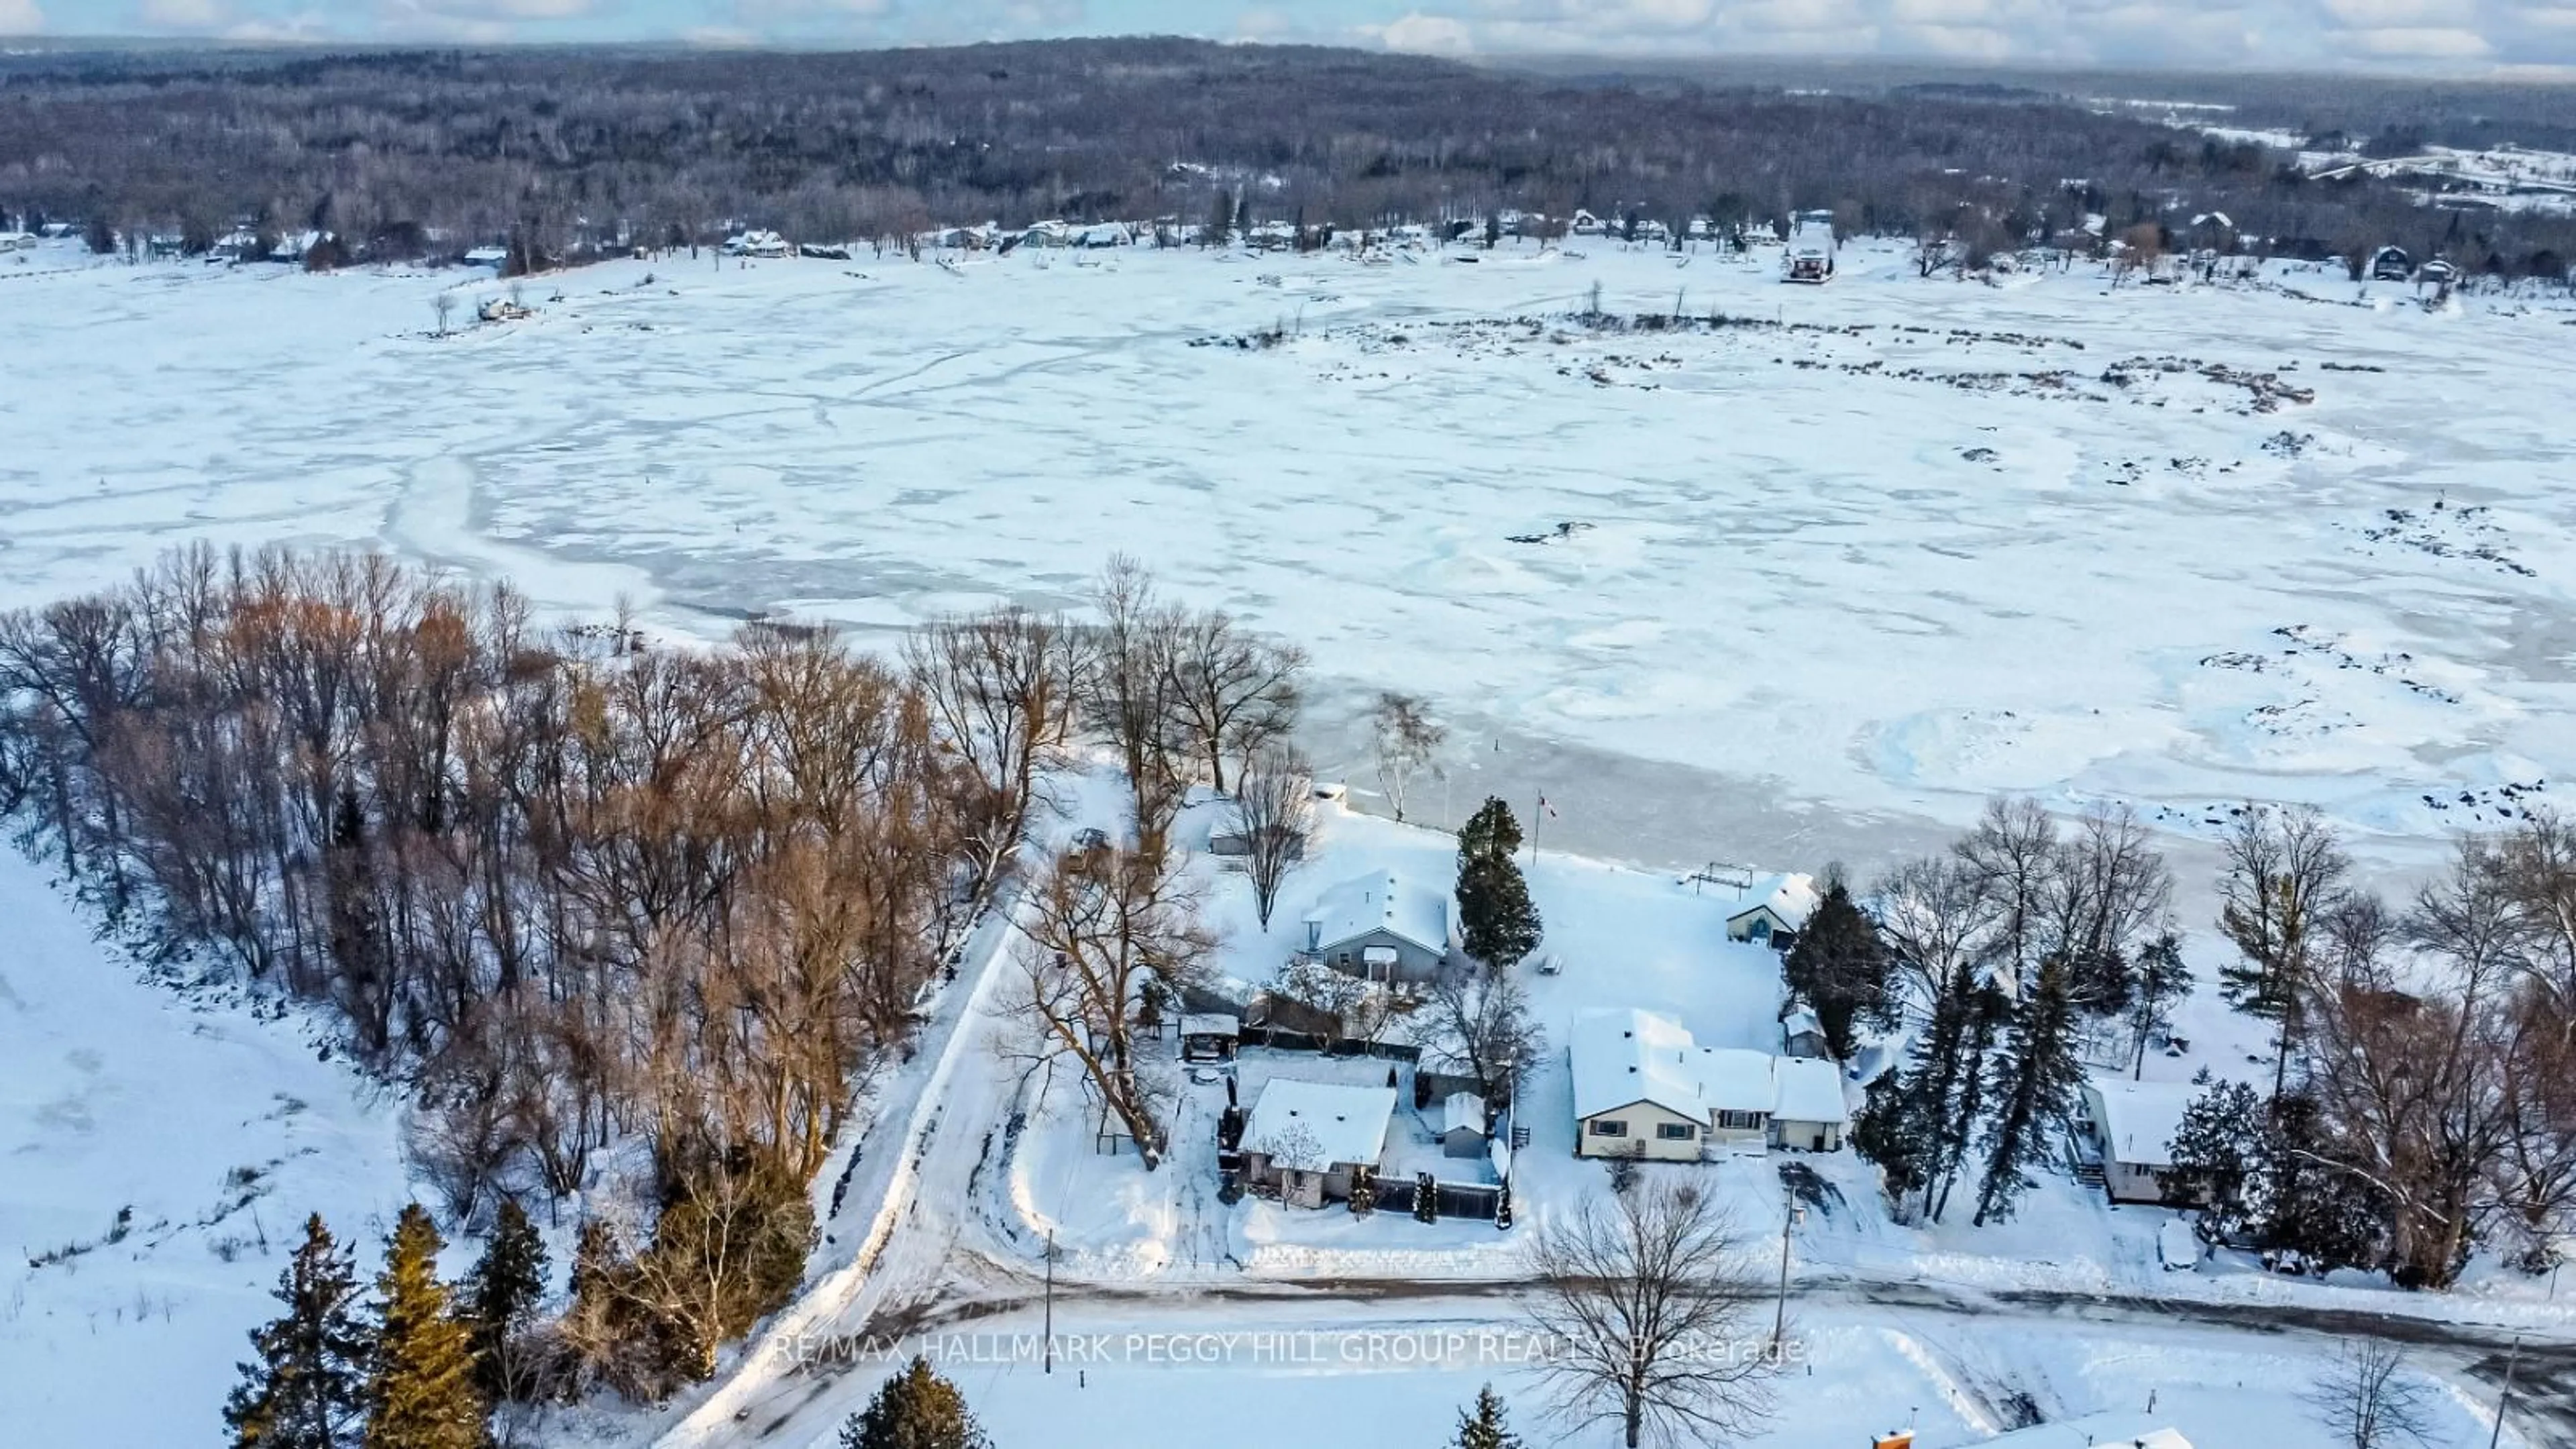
[
  {"x": 158, "y": 1154},
  {"x": 1879, "y": 549}
]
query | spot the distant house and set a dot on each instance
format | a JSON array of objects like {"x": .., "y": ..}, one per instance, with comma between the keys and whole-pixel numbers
[
  {"x": 2134, "y": 1124},
  {"x": 1234, "y": 841},
  {"x": 1461, "y": 1126},
  {"x": 1771, "y": 910},
  {"x": 1801, "y": 1034},
  {"x": 493, "y": 257},
  {"x": 1381, "y": 927},
  {"x": 1314, "y": 1141},
  {"x": 1643, "y": 1087},
  {"x": 2391, "y": 264},
  {"x": 1209, "y": 1036}
]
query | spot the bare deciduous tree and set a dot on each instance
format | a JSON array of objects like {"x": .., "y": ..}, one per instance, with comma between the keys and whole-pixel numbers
[
  {"x": 1099, "y": 931},
  {"x": 1649, "y": 1302},
  {"x": 2366, "y": 1398},
  {"x": 1231, "y": 692},
  {"x": 1476, "y": 1023},
  {"x": 1404, "y": 737},
  {"x": 1274, "y": 809}
]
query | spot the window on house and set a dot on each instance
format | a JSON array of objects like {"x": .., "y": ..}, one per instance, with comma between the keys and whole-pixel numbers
[
  {"x": 1676, "y": 1131},
  {"x": 1739, "y": 1121},
  {"x": 1608, "y": 1127}
]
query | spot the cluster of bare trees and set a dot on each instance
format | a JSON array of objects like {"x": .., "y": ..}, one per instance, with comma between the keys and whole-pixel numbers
[
  {"x": 568, "y": 887},
  {"x": 2426, "y": 1067},
  {"x": 573, "y": 890}
]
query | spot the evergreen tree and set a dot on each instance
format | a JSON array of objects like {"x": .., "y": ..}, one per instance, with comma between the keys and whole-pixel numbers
[
  {"x": 1498, "y": 924},
  {"x": 2041, "y": 1074},
  {"x": 307, "y": 1388},
  {"x": 1891, "y": 1133},
  {"x": 916, "y": 1409},
  {"x": 1918, "y": 1124},
  {"x": 499, "y": 1299},
  {"x": 2159, "y": 980},
  {"x": 1839, "y": 967},
  {"x": 2221, "y": 1151},
  {"x": 1483, "y": 1426},
  {"x": 421, "y": 1391}
]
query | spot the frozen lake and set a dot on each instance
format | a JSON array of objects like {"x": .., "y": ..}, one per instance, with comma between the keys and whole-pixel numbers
[{"x": 1836, "y": 569}]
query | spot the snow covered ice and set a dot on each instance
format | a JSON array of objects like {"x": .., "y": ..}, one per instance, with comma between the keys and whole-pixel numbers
[{"x": 1884, "y": 546}]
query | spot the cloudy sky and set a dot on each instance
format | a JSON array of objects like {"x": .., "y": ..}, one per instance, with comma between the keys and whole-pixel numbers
[{"x": 2522, "y": 36}]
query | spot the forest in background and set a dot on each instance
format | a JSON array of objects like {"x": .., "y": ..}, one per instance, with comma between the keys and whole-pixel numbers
[{"x": 423, "y": 153}]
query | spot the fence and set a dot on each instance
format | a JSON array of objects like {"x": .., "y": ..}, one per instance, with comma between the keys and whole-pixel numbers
[{"x": 1478, "y": 1201}]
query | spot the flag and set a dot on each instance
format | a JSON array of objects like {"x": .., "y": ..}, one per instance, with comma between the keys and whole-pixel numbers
[{"x": 1545, "y": 808}]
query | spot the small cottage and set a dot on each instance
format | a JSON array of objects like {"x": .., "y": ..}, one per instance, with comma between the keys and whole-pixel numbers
[
  {"x": 1807, "y": 1109},
  {"x": 1801, "y": 1034},
  {"x": 2134, "y": 1124},
  {"x": 1771, "y": 910},
  {"x": 1314, "y": 1141},
  {"x": 1381, "y": 927}
]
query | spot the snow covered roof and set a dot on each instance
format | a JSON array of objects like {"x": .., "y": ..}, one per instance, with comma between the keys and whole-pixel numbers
[
  {"x": 1462, "y": 1110},
  {"x": 1624, "y": 1056},
  {"x": 1790, "y": 899},
  {"x": 1736, "y": 1079},
  {"x": 2139, "y": 1119},
  {"x": 1210, "y": 1023},
  {"x": 2098, "y": 1431},
  {"x": 1343, "y": 1123},
  {"x": 1809, "y": 1090},
  {"x": 1799, "y": 1021},
  {"x": 1380, "y": 901}
]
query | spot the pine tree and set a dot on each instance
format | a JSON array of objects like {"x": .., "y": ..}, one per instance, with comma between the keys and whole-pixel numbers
[
  {"x": 1891, "y": 1133},
  {"x": 307, "y": 1388},
  {"x": 500, "y": 1297},
  {"x": 1839, "y": 967},
  {"x": 1498, "y": 924},
  {"x": 2159, "y": 980},
  {"x": 2041, "y": 1074},
  {"x": 421, "y": 1391},
  {"x": 1918, "y": 1124},
  {"x": 2220, "y": 1150},
  {"x": 916, "y": 1409},
  {"x": 1483, "y": 1426},
  {"x": 1219, "y": 223}
]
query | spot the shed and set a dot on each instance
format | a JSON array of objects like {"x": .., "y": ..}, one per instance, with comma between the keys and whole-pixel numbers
[
  {"x": 1801, "y": 1034},
  {"x": 1208, "y": 1036},
  {"x": 1462, "y": 1125}
]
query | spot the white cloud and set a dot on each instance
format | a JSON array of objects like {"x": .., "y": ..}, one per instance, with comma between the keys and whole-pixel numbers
[
  {"x": 189, "y": 15},
  {"x": 20, "y": 17},
  {"x": 2442, "y": 34},
  {"x": 1426, "y": 34}
]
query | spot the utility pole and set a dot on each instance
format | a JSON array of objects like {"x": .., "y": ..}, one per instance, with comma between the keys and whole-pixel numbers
[
  {"x": 2504, "y": 1401},
  {"x": 1050, "y": 1302},
  {"x": 1780, "y": 1311}
]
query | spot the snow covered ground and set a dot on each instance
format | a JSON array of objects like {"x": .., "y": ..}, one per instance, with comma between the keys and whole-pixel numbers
[
  {"x": 1811, "y": 575},
  {"x": 1882, "y": 548},
  {"x": 158, "y": 1154}
]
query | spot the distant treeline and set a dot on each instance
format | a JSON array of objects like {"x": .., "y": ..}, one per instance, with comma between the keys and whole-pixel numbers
[{"x": 410, "y": 153}]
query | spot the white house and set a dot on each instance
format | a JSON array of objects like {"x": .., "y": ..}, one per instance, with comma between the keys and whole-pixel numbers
[
  {"x": 1637, "y": 1087},
  {"x": 1315, "y": 1140},
  {"x": 1643, "y": 1087},
  {"x": 1772, "y": 908},
  {"x": 1380, "y": 927},
  {"x": 2134, "y": 1124},
  {"x": 1807, "y": 1109}
]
